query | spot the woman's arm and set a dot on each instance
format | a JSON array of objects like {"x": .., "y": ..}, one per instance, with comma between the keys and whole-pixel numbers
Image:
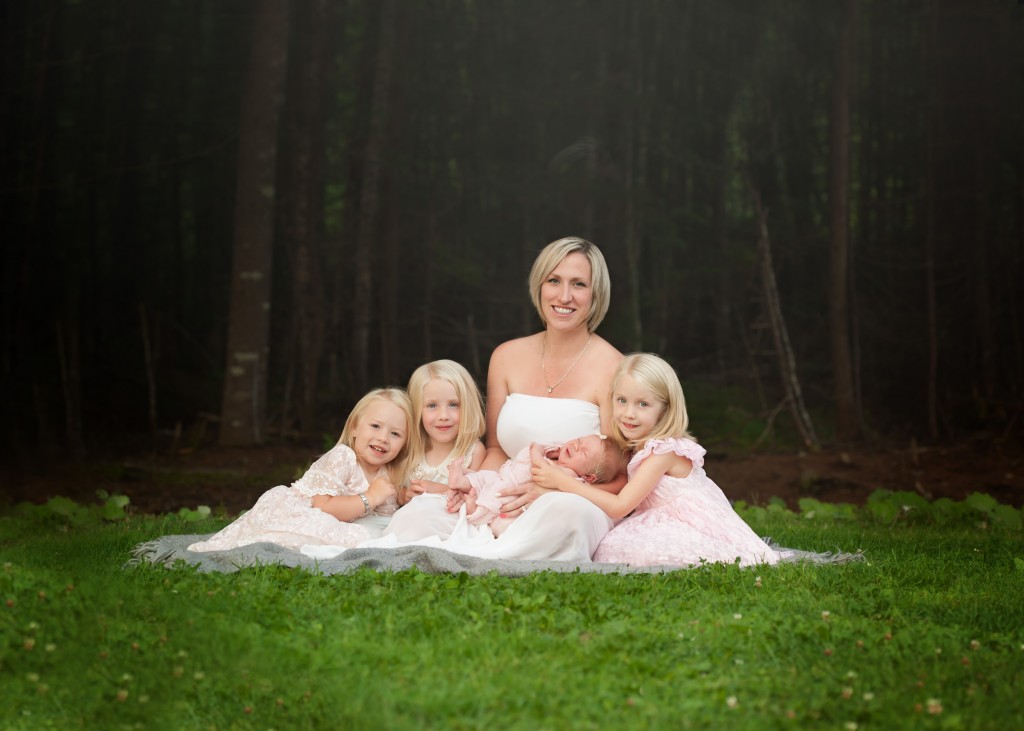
[
  {"x": 479, "y": 453},
  {"x": 497, "y": 391},
  {"x": 644, "y": 480}
]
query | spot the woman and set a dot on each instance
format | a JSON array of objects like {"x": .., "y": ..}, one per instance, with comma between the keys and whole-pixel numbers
[{"x": 548, "y": 387}]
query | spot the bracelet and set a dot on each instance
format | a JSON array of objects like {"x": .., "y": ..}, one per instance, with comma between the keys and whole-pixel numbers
[{"x": 366, "y": 503}]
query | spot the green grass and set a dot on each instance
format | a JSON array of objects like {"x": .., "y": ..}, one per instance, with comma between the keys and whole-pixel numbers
[{"x": 925, "y": 634}]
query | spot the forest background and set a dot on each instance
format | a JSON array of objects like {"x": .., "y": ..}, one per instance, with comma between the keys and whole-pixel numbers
[{"x": 227, "y": 220}]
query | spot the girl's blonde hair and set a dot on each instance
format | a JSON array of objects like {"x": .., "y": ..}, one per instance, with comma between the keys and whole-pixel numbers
[
  {"x": 658, "y": 376},
  {"x": 471, "y": 418},
  {"x": 398, "y": 468},
  {"x": 600, "y": 281}
]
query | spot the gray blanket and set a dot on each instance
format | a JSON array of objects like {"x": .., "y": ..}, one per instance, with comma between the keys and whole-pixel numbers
[{"x": 170, "y": 549}]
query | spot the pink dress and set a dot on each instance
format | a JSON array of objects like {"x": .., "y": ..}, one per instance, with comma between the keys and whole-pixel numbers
[
  {"x": 683, "y": 521},
  {"x": 285, "y": 516}
]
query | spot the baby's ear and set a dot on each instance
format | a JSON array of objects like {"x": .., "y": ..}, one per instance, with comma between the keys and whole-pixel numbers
[{"x": 590, "y": 478}]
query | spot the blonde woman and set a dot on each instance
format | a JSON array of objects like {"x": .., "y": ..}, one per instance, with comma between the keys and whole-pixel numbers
[{"x": 548, "y": 387}]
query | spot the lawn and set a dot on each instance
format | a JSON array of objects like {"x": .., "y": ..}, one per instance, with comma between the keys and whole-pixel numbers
[{"x": 926, "y": 633}]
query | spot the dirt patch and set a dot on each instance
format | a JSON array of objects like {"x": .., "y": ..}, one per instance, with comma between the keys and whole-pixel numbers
[{"x": 232, "y": 478}]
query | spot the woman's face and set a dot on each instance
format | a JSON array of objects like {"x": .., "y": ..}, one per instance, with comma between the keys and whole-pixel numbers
[{"x": 566, "y": 293}]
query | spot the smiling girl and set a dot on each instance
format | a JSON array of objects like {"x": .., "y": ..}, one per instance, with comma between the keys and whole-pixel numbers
[
  {"x": 451, "y": 421},
  {"x": 676, "y": 515},
  {"x": 347, "y": 496}
]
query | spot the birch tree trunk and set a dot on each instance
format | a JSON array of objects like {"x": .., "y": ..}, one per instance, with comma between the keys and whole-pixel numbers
[{"x": 243, "y": 410}]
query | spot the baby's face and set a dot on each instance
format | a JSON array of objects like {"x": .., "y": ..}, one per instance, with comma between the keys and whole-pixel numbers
[{"x": 582, "y": 455}]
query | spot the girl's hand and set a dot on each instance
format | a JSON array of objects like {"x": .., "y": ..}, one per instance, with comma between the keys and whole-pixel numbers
[
  {"x": 418, "y": 487},
  {"x": 379, "y": 491},
  {"x": 545, "y": 474}
]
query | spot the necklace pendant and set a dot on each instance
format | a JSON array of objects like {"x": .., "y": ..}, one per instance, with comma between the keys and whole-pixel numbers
[{"x": 550, "y": 389}]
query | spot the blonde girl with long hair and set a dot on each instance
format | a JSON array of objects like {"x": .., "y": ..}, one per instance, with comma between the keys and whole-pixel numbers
[
  {"x": 347, "y": 496},
  {"x": 450, "y": 423},
  {"x": 676, "y": 515}
]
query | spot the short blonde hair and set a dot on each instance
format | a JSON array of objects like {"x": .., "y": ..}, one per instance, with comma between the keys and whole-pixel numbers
[
  {"x": 398, "y": 468},
  {"x": 471, "y": 418},
  {"x": 654, "y": 373},
  {"x": 600, "y": 281}
]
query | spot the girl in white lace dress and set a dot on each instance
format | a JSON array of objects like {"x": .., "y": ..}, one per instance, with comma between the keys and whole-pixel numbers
[
  {"x": 345, "y": 497},
  {"x": 679, "y": 516},
  {"x": 451, "y": 423}
]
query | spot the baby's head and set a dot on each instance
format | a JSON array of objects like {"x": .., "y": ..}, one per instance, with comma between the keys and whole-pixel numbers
[{"x": 594, "y": 457}]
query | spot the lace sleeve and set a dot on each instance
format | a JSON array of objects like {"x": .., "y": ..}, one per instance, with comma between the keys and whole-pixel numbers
[{"x": 335, "y": 473}]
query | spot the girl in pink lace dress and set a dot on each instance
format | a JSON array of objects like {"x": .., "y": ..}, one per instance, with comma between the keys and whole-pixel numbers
[
  {"x": 347, "y": 496},
  {"x": 677, "y": 515}
]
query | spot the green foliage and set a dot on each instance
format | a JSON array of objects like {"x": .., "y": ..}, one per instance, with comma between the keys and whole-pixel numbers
[
  {"x": 202, "y": 512},
  {"x": 889, "y": 508},
  {"x": 69, "y": 513}
]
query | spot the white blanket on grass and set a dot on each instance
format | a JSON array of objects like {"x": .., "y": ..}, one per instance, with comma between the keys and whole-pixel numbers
[{"x": 170, "y": 549}]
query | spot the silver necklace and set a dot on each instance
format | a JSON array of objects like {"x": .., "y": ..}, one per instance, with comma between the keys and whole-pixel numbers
[{"x": 572, "y": 365}]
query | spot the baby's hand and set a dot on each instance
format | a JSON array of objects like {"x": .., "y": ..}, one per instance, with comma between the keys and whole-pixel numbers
[
  {"x": 536, "y": 453},
  {"x": 418, "y": 487},
  {"x": 454, "y": 500}
]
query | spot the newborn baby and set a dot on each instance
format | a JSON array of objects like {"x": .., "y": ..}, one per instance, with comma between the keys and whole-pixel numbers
[{"x": 592, "y": 458}]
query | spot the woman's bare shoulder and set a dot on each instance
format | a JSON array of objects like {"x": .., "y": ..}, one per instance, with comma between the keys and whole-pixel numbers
[
  {"x": 608, "y": 355},
  {"x": 515, "y": 348}
]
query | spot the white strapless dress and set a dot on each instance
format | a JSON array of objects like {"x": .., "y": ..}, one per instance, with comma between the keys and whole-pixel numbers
[{"x": 525, "y": 419}]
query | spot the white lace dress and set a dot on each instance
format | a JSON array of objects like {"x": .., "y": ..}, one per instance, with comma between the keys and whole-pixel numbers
[{"x": 284, "y": 515}]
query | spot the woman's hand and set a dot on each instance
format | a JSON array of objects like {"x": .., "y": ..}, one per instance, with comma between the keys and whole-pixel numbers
[
  {"x": 518, "y": 498},
  {"x": 379, "y": 491}
]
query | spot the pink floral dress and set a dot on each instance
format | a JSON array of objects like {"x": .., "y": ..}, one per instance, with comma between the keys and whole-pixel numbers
[
  {"x": 285, "y": 516},
  {"x": 683, "y": 521}
]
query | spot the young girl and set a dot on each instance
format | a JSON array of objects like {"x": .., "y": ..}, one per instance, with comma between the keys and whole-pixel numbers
[
  {"x": 679, "y": 516},
  {"x": 451, "y": 423},
  {"x": 346, "y": 496},
  {"x": 451, "y": 415}
]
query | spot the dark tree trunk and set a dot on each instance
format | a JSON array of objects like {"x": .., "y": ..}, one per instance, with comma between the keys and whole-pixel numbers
[
  {"x": 308, "y": 315},
  {"x": 243, "y": 412},
  {"x": 847, "y": 422},
  {"x": 369, "y": 202}
]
